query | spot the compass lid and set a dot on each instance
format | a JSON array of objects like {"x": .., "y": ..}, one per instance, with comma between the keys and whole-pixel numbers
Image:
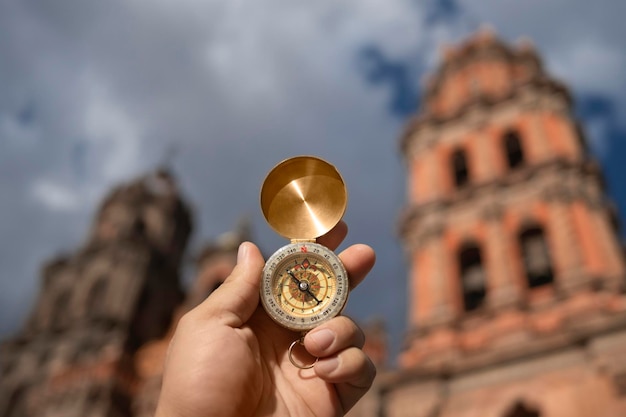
[{"x": 303, "y": 197}]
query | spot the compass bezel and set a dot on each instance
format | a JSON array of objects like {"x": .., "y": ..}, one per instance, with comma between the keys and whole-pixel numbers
[{"x": 332, "y": 307}]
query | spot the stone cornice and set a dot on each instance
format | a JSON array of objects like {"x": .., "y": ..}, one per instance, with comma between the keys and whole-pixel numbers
[
  {"x": 425, "y": 119},
  {"x": 559, "y": 191},
  {"x": 492, "y": 212},
  {"x": 540, "y": 344},
  {"x": 496, "y": 50}
]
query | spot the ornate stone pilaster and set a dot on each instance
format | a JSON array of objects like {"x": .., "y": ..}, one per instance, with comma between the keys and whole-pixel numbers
[
  {"x": 439, "y": 281},
  {"x": 483, "y": 165},
  {"x": 613, "y": 258},
  {"x": 563, "y": 242},
  {"x": 504, "y": 288},
  {"x": 538, "y": 138}
]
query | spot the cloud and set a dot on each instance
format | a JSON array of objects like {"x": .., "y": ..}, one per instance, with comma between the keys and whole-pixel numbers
[
  {"x": 93, "y": 93},
  {"x": 97, "y": 94},
  {"x": 592, "y": 66},
  {"x": 55, "y": 197},
  {"x": 111, "y": 134}
]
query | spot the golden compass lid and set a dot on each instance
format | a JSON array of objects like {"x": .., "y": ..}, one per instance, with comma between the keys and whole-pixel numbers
[{"x": 303, "y": 197}]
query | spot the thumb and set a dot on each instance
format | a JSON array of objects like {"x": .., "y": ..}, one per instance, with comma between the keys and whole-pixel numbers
[{"x": 233, "y": 302}]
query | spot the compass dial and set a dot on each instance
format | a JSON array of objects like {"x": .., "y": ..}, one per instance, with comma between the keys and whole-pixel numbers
[{"x": 304, "y": 285}]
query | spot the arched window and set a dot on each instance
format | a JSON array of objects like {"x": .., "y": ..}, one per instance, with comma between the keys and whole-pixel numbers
[
  {"x": 521, "y": 410},
  {"x": 536, "y": 257},
  {"x": 513, "y": 149},
  {"x": 459, "y": 167},
  {"x": 472, "y": 274}
]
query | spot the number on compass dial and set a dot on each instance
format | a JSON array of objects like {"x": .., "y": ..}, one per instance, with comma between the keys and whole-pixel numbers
[{"x": 303, "y": 285}]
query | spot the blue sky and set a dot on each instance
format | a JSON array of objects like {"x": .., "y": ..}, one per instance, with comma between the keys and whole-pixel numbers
[{"x": 94, "y": 93}]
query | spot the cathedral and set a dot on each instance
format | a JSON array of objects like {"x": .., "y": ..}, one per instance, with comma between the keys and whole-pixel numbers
[
  {"x": 516, "y": 295},
  {"x": 95, "y": 342}
]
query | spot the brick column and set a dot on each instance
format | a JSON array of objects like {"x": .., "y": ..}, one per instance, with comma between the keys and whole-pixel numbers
[
  {"x": 434, "y": 281},
  {"x": 563, "y": 242},
  {"x": 431, "y": 171},
  {"x": 590, "y": 241},
  {"x": 444, "y": 310},
  {"x": 537, "y": 140},
  {"x": 563, "y": 137},
  {"x": 487, "y": 154},
  {"x": 503, "y": 287},
  {"x": 613, "y": 257},
  {"x": 415, "y": 187},
  {"x": 481, "y": 154},
  {"x": 419, "y": 302}
]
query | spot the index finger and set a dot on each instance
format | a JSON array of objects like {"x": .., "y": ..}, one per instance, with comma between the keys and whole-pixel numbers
[{"x": 358, "y": 260}]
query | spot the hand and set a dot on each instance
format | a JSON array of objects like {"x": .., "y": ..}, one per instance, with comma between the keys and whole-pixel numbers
[{"x": 228, "y": 358}]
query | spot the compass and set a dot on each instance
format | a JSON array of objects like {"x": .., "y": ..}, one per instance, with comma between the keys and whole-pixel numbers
[{"x": 304, "y": 284}]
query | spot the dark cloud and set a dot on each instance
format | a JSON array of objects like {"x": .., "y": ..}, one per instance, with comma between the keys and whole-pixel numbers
[
  {"x": 443, "y": 10},
  {"x": 594, "y": 105},
  {"x": 398, "y": 76},
  {"x": 606, "y": 133}
]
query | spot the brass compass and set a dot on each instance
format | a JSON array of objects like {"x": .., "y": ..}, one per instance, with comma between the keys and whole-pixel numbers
[{"x": 304, "y": 283}]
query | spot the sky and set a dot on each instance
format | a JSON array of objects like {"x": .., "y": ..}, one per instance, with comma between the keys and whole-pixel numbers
[{"x": 95, "y": 93}]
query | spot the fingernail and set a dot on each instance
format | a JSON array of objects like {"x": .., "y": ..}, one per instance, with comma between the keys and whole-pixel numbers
[
  {"x": 327, "y": 366},
  {"x": 323, "y": 338},
  {"x": 242, "y": 252}
]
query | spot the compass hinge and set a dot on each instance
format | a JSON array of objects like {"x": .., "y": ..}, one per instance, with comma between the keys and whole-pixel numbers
[{"x": 302, "y": 240}]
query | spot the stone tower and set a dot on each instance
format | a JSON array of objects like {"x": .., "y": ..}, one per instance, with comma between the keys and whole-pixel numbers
[
  {"x": 98, "y": 306},
  {"x": 516, "y": 282}
]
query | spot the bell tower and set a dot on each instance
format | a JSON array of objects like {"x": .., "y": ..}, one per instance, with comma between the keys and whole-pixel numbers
[{"x": 516, "y": 273}]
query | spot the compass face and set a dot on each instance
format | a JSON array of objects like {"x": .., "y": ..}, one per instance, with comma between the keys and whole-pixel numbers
[{"x": 304, "y": 285}]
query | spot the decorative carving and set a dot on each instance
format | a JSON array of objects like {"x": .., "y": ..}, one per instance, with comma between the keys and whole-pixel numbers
[
  {"x": 428, "y": 233},
  {"x": 558, "y": 192}
]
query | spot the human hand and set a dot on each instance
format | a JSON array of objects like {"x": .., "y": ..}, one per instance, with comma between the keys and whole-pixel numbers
[{"x": 228, "y": 358}]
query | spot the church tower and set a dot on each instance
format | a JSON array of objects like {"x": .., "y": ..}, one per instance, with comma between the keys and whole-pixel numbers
[
  {"x": 98, "y": 306},
  {"x": 516, "y": 282}
]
